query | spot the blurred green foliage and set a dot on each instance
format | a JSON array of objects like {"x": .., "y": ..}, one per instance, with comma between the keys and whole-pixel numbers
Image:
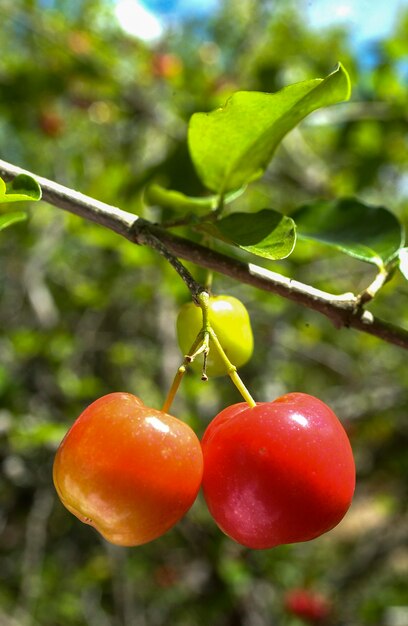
[{"x": 83, "y": 313}]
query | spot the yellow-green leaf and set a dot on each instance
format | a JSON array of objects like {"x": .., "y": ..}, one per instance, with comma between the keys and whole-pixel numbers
[{"x": 232, "y": 146}]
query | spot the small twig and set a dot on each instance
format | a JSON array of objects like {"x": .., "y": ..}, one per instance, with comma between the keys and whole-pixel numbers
[
  {"x": 371, "y": 291},
  {"x": 344, "y": 310},
  {"x": 147, "y": 238}
]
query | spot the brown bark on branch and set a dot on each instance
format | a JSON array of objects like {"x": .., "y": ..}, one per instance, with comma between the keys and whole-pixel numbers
[{"x": 343, "y": 310}]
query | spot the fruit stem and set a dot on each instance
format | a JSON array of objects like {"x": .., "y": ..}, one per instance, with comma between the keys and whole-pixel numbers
[
  {"x": 232, "y": 371},
  {"x": 180, "y": 373},
  {"x": 243, "y": 390},
  {"x": 174, "y": 388},
  {"x": 203, "y": 300}
]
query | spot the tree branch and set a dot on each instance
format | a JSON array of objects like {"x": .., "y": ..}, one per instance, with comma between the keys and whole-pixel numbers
[{"x": 343, "y": 310}]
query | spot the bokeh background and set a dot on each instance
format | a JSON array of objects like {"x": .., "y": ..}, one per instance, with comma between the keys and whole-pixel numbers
[{"x": 97, "y": 95}]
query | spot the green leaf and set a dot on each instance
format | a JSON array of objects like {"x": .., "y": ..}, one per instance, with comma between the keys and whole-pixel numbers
[
  {"x": 268, "y": 234},
  {"x": 22, "y": 187},
  {"x": 11, "y": 218},
  {"x": 371, "y": 234},
  {"x": 233, "y": 145},
  {"x": 177, "y": 201}
]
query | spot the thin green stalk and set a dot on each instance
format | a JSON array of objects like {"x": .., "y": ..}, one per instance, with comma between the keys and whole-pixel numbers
[
  {"x": 179, "y": 375},
  {"x": 232, "y": 371},
  {"x": 174, "y": 388}
]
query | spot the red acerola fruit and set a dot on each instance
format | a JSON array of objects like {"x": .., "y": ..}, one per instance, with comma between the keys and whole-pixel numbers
[
  {"x": 128, "y": 470},
  {"x": 280, "y": 472},
  {"x": 309, "y": 605}
]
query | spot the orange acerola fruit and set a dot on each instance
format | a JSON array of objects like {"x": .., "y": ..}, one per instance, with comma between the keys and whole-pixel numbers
[{"x": 129, "y": 470}]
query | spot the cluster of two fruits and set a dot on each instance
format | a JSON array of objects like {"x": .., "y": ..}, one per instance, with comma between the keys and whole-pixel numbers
[{"x": 278, "y": 472}]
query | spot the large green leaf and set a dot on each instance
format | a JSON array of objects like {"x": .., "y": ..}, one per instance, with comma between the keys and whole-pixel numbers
[
  {"x": 369, "y": 233},
  {"x": 22, "y": 187},
  {"x": 233, "y": 145},
  {"x": 12, "y": 218},
  {"x": 168, "y": 198},
  {"x": 268, "y": 234}
]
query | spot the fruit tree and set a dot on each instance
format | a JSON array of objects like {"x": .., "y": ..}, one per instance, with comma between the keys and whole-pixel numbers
[{"x": 203, "y": 328}]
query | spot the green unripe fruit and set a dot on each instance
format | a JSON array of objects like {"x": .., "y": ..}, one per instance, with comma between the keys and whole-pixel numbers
[{"x": 230, "y": 321}]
